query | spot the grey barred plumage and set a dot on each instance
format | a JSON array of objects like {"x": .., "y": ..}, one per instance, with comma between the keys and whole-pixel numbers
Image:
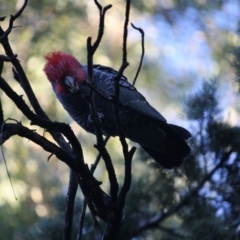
[{"x": 142, "y": 123}]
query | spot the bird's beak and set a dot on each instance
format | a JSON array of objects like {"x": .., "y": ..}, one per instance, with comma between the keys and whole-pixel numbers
[{"x": 71, "y": 84}]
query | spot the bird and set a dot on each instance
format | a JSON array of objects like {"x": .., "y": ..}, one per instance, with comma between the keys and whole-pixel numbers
[{"x": 141, "y": 123}]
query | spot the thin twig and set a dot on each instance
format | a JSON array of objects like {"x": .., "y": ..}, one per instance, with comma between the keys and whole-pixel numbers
[
  {"x": 125, "y": 31},
  {"x": 102, "y": 13},
  {"x": 142, "y": 55}
]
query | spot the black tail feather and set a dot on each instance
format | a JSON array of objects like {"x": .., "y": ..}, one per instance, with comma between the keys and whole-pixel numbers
[
  {"x": 176, "y": 148},
  {"x": 185, "y": 134},
  {"x": 172, "y": 157}
]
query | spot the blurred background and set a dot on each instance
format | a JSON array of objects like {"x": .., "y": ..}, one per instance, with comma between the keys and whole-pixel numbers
[{"x": 187, "y": 43}]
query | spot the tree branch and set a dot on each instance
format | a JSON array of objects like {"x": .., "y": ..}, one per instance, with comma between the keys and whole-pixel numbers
[
  {"x": 84, "y": 204},
  {"x": 100, "y": 145},
  {"x": 127, "y": 154},
  {"x": 35, "y": 120},
  {"x": 70, "y": 202}
]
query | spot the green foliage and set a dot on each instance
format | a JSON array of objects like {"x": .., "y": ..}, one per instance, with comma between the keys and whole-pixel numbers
[
  {"x": 203, "y": 104},
  {"x": 217, "y": 142},
  {"x": 201, "y": 223}
]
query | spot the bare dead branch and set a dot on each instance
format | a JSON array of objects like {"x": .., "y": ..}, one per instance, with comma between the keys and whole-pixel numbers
[
  {"x": 100, "y": 143},
  {"x": 20, "y": 76},
  {"x": 11, "y": 21},
  {"x": 99, "y": 203}
]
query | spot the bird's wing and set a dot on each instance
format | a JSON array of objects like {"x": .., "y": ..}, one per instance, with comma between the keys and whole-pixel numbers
[
  {"x": 133, "y": 100},
  {"x": 129, "y": 97}
]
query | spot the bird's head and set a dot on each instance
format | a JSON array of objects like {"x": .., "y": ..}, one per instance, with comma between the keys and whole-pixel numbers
[{"x": 64, "y": 72}]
